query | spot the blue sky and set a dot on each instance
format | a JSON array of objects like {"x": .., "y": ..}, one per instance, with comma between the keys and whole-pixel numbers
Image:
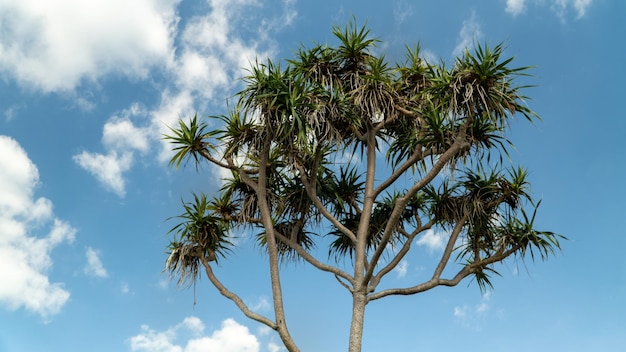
[{"x": 87, "y": 88}]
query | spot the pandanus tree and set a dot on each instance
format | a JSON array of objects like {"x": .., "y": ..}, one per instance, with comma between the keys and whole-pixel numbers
[{"x": 342, "y": 160}]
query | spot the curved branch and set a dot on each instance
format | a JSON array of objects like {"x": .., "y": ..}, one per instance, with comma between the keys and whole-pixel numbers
[
  {"x": 435, "y": 281},
  {"x": 234, "y": 297},
  {"x": 500, "y": 255},
  {"x": 228, "y": 165},
  {"x": 425, "y": 286},
  {"x": 343, "y": 284}
]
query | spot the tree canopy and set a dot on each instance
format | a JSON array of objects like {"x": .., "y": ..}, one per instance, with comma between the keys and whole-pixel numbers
[{"x": 342, "y": 160}]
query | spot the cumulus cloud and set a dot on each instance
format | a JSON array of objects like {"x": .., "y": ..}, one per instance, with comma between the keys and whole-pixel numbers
[
  {"x": 434, "y": 241},
  {"x": 470, "y": 32},
  {"x": 94, "y": 265},
  {"x": 119, "y": 133},
  {"x": 231, "y": 337},
  {"x": 56, "y": 45},
  {"x": 29, "y": 232},
  {"x": 121, "y": 138},
  {"x": 210, "y": 54},
  {"x": 107, "y": 168}
]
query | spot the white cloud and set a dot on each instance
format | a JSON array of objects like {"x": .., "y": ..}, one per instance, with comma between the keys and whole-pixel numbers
[
  {"x": 121, "y": 138},
  {"x": 560, "y": 7},
  {"x": 469, "y": 34},
  {"x": 206, "y": 61},
  {"x": 581, "y": 7},
  {"x": 11, "y": 112},
  {"x": 289, "y": 12},
  {"x": 429, "y": 56},
  {"x": 263, "y": 304},
  {"x": 212, "y": 56},
  {"x": 264, "y": 330},
  {"x": 119, "y": 133},
  {"x": 515, "y": 7},
  {"x": 402, "y": 10},
  {"x": 57, "y": 45},
  {"x": 107, "y": 169},
  {"x": 471, "y": 316},
  {"x": 434, "y": 241},
  {"x": 29, "y": 232},
  {"x": 274, "y": 347},
  {"x": 231, "y": 337},
  {"x": 94, "y": 265},
  {"x": 402, "y": 268}
]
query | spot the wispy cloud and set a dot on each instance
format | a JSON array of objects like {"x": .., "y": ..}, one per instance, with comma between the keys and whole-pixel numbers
[
  {"x": 231, "y": 337},
  {"x": 470, "y": 32},
  {"x": 29, "y": 232},
  {"x": 402, "y": 10},
  {"x": 94, "y": 265},
  {"x": 515, "y": 7},
  {"x": 274, "y": 347},
  {"x": 561, "y": 8},
  {"x": 471, "y": 315},
  {"x": 402, "y": 268},
  {"x": 262, "y": 304},
  {"x": 581, "y": 7}
]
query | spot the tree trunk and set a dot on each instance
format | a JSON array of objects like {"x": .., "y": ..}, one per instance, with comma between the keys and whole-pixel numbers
[{"x": 358, "y": 315}]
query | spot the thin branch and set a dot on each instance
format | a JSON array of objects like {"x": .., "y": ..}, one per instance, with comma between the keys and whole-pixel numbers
[
  {"x": 435, "y": 281},
  {"x": 234, "y": 297},
  {"x": 497, "y": 257},
  {"x": 459, "y": 144},
  {"x": 398, "y": 257},
  {"x": 407, "y": 112},
  {"x": 425, "y": 286},
  {"x": 312, "y": 260},
  {"x": 228, "y": 165},
  {"x": 343, "y": 284},
  {"x": 445, "y": 257},
  {"x": 311, "y": 191},
  {"x": 415, "y": 157}
]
